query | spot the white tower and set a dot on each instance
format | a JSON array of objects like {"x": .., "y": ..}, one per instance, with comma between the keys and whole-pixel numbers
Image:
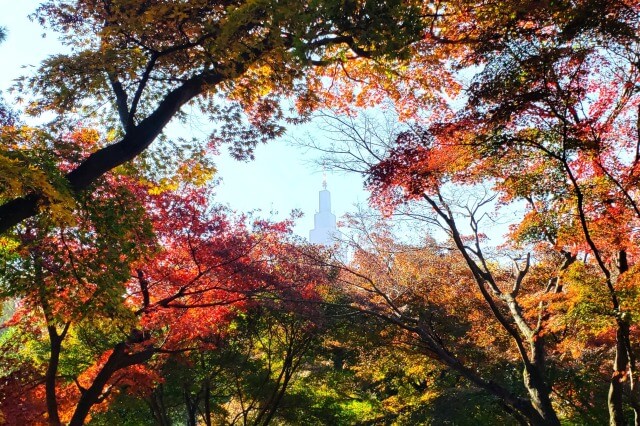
[{"x": 324, "y": 221}]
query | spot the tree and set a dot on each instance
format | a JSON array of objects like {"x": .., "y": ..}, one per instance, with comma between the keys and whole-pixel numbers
[
  {"x": 541, "y": 121},
  {"x": 147, "y": 61},
  {"x": 564, "y": 100},
  {"x": 245, "y": 379},
  {"x": 426, "y": 292},
  {"x": 139, "y": 276},
  {"x": 548, "y": 120},
  {"x": 552, "y": 299}
]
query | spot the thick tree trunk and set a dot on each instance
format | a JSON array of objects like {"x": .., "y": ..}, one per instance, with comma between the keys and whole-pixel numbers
[
  {"x": 535, "y": 383},
  {"x": 624, "y": 361},
  {"x": 118, "y": 360},
  {"x": 100, "y": 162},
  {"x": 616, "y": 385},
  {"x": 50, "y": 378},
  {"x": 523, "y": 407},
  {"x": 539, "y": 395},
  {"x": 15, "y": 211}
]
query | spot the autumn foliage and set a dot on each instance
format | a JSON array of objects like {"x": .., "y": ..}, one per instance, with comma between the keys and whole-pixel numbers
[
  {"x": 512, "y": 153},
  {"x": 139, "y": 275}
]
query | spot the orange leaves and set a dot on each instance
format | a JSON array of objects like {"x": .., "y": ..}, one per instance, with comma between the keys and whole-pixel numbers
[
  {"x": 419, "y": 164},
  {"x": 411, "y": 86},
  {"x": 20, "y": 404},
  {"x": 142, "y": 274}
]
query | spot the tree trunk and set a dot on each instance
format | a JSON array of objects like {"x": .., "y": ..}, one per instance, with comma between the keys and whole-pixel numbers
[
  {"x": 539, "y": 395},
  {"x": 118, "y": 360},
  {"x": 50, "y": 378},
  {"x": 207, "y": 404},
  {"x": 523, "y": 407},
  {"x": 616, "y": 385},
  {"x": 192, "y": 407},
  {"x": 158, "y": 410},
  {"x": 535, "y": 383},
  {"x": 276, "y": 402},
  {"x": 105, "y": 159}
]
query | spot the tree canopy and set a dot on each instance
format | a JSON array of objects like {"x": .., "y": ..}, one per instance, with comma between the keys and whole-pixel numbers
[
  {"x": 131, "y": 297},
  {"x": 145, "y": 61}
]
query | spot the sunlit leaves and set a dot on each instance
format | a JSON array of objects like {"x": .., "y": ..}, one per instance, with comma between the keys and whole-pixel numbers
[{"x": 27, "y": 164}]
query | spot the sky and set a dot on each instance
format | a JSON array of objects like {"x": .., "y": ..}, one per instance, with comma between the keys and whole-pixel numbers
[{"x": 281, "y": 178}]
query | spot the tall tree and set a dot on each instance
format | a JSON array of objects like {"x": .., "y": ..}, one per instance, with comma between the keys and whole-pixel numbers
[
  {"x": 438, "y": 168},
  {"x": 437, "y": 294},
  {"x": 139, "y": 275},
  {"x": 565, "y": 100},
  {"x": 550, "y": 117}
]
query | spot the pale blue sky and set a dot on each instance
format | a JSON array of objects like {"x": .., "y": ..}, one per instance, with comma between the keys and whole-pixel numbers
[{"x": 280, "y": 179}]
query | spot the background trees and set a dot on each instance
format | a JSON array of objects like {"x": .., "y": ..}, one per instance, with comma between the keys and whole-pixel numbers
[{"x": 539, "y": 123}]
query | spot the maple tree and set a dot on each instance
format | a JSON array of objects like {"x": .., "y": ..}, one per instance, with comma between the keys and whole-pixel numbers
[
  {"x": 140, "y": 275},
  {"x": 564, "y": 104},
  {"x": 549, "y": 293},
  {"x": 246, "y": 379},
  {"x": 145, "y": 61},
  {"x": 394, "y": 282},
  {"x": 369, "y": 370},
  {"x": 132, "y": 289},
  {"x": 550, "y": 118}
]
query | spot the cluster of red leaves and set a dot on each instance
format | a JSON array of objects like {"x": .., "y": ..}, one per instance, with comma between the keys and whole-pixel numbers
[{"x": 176, "y": 292}]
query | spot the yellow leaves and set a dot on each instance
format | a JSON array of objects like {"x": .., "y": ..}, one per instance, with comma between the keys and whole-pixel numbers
[
  {"x": 583, "y": 307},
  {"x": 7, "y": 245},
  {"x": 196, "y": 173},
  {"x": 262, "y": 74},
  {"x": 86, "y": 137},
  {"x": 189, "y": 172},
  {"x": 11, "y": 170},
  {"x": 111, "y": 135},
  {"x": 258, "y": 82},
  {"x": 27, "y": 166},
  {"x": 393, "y": 404},
  {"x": 18, "y": 179},
  {"x": 628, "y": 290},
  {"x": 165, "y": 185},
  {"x": 418, "y": 369}
]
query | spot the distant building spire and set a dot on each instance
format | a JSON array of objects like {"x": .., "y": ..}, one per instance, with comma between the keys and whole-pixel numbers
[{"x": 324, "y": 221}]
